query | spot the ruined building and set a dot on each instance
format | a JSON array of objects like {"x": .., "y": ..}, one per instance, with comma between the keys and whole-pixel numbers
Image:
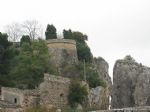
[
  {"x": 53, "y": 91},
  {"x": 62, "y": 51}
]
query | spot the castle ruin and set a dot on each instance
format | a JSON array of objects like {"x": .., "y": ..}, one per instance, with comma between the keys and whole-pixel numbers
[
  {"x": 53, "y": 91},
  {"x": 62, "y": 51}
]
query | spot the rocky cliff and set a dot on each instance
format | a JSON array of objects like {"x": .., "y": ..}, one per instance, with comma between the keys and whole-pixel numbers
[
  {"x": 131, "y": 84},
  {"x": 99, "y": 96},
  {"x": 102, "y": 68}
]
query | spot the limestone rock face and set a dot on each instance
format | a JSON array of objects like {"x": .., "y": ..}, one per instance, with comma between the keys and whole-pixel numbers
[
  {"x": 131, "y": 84},
  {"x": 102, "y": 68},
  {"x": 142, "y": 88},
  {"x": 98, "y": 98}
]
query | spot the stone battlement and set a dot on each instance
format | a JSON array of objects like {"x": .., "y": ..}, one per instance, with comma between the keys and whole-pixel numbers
[{"x": 67, "y": 41}]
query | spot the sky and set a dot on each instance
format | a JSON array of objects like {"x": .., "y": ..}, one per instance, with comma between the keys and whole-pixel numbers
[{"x": 115, "y": 28}]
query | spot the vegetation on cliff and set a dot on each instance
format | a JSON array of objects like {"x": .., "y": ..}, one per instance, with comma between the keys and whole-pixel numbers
[
  {"x": 83, "y": 51},
  {"x": 7, "y": 53},
  {"x": 77, "y": 93},
  {"x": 22, "y": 64},
  {"x": 50, "y": 32},
  {"x": 30, "y": 64}
]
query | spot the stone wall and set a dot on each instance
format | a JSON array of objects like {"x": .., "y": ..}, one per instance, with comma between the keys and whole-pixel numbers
[
  {"x": 62, "y": 51},
  {"x": 31, "y": 98},
  {"x": 54, "y": 91},
  {"x": 23, "y": 98},
  {"x": 132, "y": 109},
  {"x": 11, "y": 109},
  {"x": 12, "y": 95}
]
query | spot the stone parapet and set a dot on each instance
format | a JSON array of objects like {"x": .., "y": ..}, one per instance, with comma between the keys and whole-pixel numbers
[{"x": 67, "y": 41}]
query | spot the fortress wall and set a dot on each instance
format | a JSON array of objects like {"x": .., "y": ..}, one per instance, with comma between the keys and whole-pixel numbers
[
  {"x": 54, "y": 90},
  {"x": 12, "y": 95},
  {"x": 62, "y": 51},
  {"x": 23, "y": 98}
]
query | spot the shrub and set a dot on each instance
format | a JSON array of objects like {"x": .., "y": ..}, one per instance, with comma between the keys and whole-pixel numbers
[
  {"x": 83, "y": 51},
  {"x": 77, "y": 93}
]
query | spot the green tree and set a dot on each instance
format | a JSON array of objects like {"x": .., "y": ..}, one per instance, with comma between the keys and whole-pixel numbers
[
  {"x": 4, "y": 40},
  {"x": 83, "y": 51},
  {"x": 93, "y": 79},
  {"x": 67, "y": 34},
  {"x": 31, "y": 63},
  {"x": 25, "y": 38},
  {"x": 50, "y": 32},
  {"x": 7, "y": 52},
  {"x": 4, "y": 44}
]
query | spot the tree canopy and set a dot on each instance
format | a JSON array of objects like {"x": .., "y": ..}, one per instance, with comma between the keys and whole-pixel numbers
[
  {"x": 50, "y": 32},
  {"x": 25, "y": 39},
  {"x": 83, "y": 51},
  {"x": 7, "y": 52},
  {"x": 30, "y": 65},
  {"x": 77, "y": 93}
]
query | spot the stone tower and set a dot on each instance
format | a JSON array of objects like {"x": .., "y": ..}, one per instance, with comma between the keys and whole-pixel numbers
[{"x": 62, "y": 51}]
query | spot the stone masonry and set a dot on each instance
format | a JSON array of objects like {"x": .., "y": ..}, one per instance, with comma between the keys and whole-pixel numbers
[
  {"x": 54, "y": 91},
  {"x": 22, "y": 98},
  {"x": 62, "y": 51}
]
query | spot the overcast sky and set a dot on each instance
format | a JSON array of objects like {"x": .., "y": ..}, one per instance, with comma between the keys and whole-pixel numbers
[{"x": 115, "y": 28}]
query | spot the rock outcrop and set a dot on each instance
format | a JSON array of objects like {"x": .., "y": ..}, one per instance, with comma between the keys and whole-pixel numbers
[
  {"x": 99, "y": 96},
  {"x": 131, "y": 84},
  {"x": 102, "y": 68}
]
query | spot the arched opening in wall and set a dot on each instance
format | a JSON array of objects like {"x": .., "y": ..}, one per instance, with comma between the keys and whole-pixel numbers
[{"x": 15, "y": 100}]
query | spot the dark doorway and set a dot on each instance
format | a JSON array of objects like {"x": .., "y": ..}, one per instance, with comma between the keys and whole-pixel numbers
[{"x": 15, "y": 100}]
